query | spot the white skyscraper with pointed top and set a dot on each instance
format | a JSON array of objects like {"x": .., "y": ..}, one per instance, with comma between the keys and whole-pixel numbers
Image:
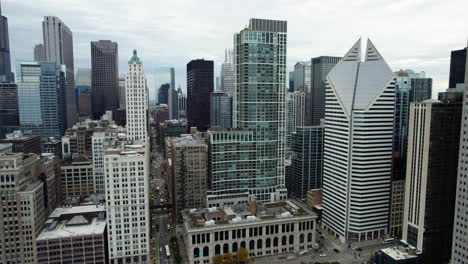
[{"x": 359, "y": 110}]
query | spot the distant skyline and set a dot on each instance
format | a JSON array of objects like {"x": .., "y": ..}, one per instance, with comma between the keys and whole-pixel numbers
[{"x": 417, "y": 34}]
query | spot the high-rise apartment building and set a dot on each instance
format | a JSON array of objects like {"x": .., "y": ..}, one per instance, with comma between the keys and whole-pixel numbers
[
  {"x": 58, "y": 45},
  {"x": 458, "y": 67},
  {"x": 104, "y": 76},
  {"x": 306, "y": 161},
  {"x": 248, "y": 163},
  {"x": 200, "y": 84},
  {"x": 431, "y": 178},
  {"x": 221, "y": 110},
  {"x": 227, "y": 77},
  {"x": 39, "y": 52},
  {"x": 8, "y": 104},
  {"x": 42, "y": 98},
  {"x": 5, "y": 64},
  {"x": 127, "y": 202},
  {"x": 359, "y": 108},
  {"x": 136, "y": 92},
  {"x": 22, "y": 212},
  {"x": 315, "y": 98}
]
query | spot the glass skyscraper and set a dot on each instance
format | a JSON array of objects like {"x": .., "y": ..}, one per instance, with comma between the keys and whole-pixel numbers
[
  {"x": 42, "y": 98},
  {"x": 221, "y": 110}
]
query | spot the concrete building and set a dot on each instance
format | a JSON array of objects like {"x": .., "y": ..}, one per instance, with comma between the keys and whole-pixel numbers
[
  {"x": 433, "y": 142},
  {"x": 359, "y": 108},
  {"x": 220, "y": 110},
  {"x": 54, "y": 146},
  {"x": 49, "y": 174},
  {"x": 58, "y": 45},
  {"x": 200, "y": 84},
  {"x": 22, "y": 212},
  {"x": 9, "y": 115},
  {"x": 127, "y": 203},
  {"x": 263, "y": 229},
  {"x": 39, "y": 52},
  {"x": 77, "y": 179},
  {"x": 136, "y": 92},
  {"x": 104, "y": 76},
  {"x": 402, "y": 254},
  {"x": 74, "y": 235},
  {"x": 162, "y": 113},
  {"x": 189, "y": 170},
  {"x": 23, "y": 142}
]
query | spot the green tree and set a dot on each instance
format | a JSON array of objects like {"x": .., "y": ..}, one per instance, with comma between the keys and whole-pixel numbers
[
  {"x": 228, "y": 258},
  {"x": 218, "y": 259},
  {"x": 243, "y": 255}
]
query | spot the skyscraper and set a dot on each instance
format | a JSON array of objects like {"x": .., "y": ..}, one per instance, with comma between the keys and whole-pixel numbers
[
  {"x": 58, "y": 45},
  {"x": 315, "y": 98},
  {"x": 295, "y": 104},
  {"x": 433, "y": 142},
  {"x": 5, "y": 64},
  {"x": 39, "y": 52},
  {"x": 255, "y": 167},
  {"x": 227, "y": 74},
  {"x": 172, "y": 100},
  {"x": 291, "y": 82},
  {"x": 457, "y": 67},
  {"x": 122, "y": 100},
  {"x": 358, "y": 139},
  {"x": 302, "y": 77},
  {"x": 84, "y": 92},
  {"x": 8, "y": 104},
  {"x": 163, "y": 93},
  {"x": 221, "y": 110},
  {"x": 137, "y": 101},
  {"x": 41, "y": 98},
  {"x": 104, "y": 76},
  {"x": 182, "y": 99},
  {"x": 200, "y": 84}
]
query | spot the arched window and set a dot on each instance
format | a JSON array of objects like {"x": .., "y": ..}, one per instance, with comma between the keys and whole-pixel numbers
[
  {"x": 268, "y": 243},
  {"x": 301, "y": 238},
  {"x": 242, "y": 244},
  {"x": 206, "y": 251},
  {"x": 225, "y": 248},
  {"x": 259, "y": 244},
  {"x": 217, "y": 249},
  {"x": 275, "y": 242},
  {"x": 196, "y": 252},
  {"x": 291, "y": 239},
  {"x": 251, "y": 245},
  {"x": 309, "y": 237},
  {"x": 234, "y": 247},
  {"x": 284, "y": 241}
]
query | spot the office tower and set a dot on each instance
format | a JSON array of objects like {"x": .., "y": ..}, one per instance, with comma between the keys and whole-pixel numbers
[
  {"x": 254, "y": 168},
  {"x": 163, "y": 94},
  {"x": 291, "y": 82},
  {"x": 74, "y": 235},
  {"x": 127, "y": 197},
  {"x": 227, "y": 74},
  {"x": 182, "y": 98},
  {"x": 357, "y": 151},
  {"x": 315, "y": 98},
  {"x": 8, "y": 104},
  {"x": 5, "y": 64},
  {"x": 189, "y": 170},
  {"x": 58, "y": 46},
  {"x": 39, "y": 52},
  {"x": 84, "y": 104},
  {"x": 457, "y": 67},
  {"x": 306, "y": 161},
  {"x": 42, "y": 98},
  {"x": 409, "y": 87},
  {"x": 295, "y": 111},
  {"x": 104, "y": 76},
  {"x": 23, "y": 142},
  {"x": 136, "y": 93},
  {"x": 122, "y": 104},
  {"x": 84, "y": 92},
  {"x": 218, "y": 84},
  {"x": 173, "y": 101},
  {"x": 199, "y": 87},
  {"x": 77, "y": 179},
  {"x": 433, "y": 142},
  {"x": 221, "y": 110},
  {"x": 302, "y": 77},
  {"x": 22, "y": 214}
]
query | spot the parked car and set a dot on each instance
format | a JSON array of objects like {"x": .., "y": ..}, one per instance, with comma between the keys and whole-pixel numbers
[{"x": 336, "y": 250}]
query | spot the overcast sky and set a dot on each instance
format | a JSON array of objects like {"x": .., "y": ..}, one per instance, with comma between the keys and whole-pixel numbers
[{"x": 414, "y": 34}]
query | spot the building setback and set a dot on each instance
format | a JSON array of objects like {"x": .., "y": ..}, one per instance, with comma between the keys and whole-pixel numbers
[
  {"x": 104, "y": 76},
  {"x": 359, "y": 108},
  {"x": 200, "y": 84},
  {"x": 433, "y": 142},
  {"x": 58, "y": 45}
]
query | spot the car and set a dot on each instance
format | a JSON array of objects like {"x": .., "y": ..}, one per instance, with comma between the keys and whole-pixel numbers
[
  {"x": 323, "y": 254},
  {"x": 336, "y": 250}
]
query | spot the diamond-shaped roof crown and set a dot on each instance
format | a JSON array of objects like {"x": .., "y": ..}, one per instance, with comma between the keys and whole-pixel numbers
[
  {"x": 134, "y": 58},
  {"x": 358, "y": 83}
]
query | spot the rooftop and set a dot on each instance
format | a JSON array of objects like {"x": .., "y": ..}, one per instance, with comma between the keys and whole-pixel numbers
[
  {"x": 400, "y": 252},
  {"x": 57, "y": 213},
  {"x": 77, "y": 226}
]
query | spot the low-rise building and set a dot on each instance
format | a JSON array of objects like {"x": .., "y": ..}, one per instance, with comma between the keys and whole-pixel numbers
[
  {"x": 263, "y": 229},
  {"x": 54, "y": 146},
  {"x": 23, "y": 141},
  {"x": 6, "y": 147},
  {"x": 402, "y": 254},
  {"x": 74, "y": 235}
]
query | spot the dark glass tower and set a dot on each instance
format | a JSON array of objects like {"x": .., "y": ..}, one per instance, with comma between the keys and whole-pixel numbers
[
  {"x": 5, "y": 65},
  {"x": 8, "y": 104},
  {"x": 104, "y": 76},
  {"x": 163, "y": 94},
  {"x": 200, "y": 84},
  {"x": 457, "y": 67}
]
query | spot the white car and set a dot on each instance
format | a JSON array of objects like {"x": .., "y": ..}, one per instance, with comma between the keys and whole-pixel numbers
[{"x": 323, "y": 255}]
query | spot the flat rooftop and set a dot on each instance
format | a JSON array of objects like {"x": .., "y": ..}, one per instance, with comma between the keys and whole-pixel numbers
[
  {"x": 77, "y": 210},
  {"x": 400, "y": 253},
  {"x": 244, "y": 213},
  {"x": 79, "y": 228}
]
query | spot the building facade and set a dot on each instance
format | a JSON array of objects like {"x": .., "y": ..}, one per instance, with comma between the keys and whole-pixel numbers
[
  {"x": 9, "y": 104},
  {"x": 182, "y": 98},
  {"x": 77, "y": 178},
  {"x": 22, "y": 142},
  {"x": 359, "y": 108},
  {"x": 163, "y": 93},
  {"x": 433, "y": 142},
  {"x": 39, "y": 52},
  {"x": 200, "y": 84},
  {"x": 5, "y": 64},
  {"x": 458, "y": 67},
  {"x": 227, "y": 77},
  {"x": 221, "y": 110},
  {"x": 58, "y": 45}
]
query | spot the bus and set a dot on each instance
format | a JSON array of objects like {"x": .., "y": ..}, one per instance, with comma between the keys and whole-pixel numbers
[{"x": 168, "y": 252}]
